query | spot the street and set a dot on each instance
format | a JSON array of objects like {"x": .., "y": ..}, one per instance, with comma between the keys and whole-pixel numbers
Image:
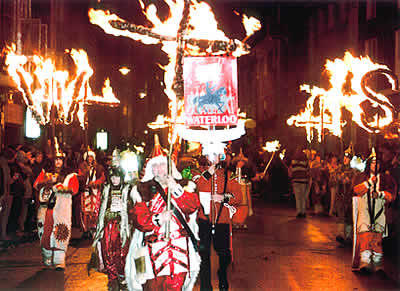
[{"x": 277, "y": 252}]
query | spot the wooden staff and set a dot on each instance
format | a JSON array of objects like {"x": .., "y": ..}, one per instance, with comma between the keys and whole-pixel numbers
[
  {"x": 269, "y": 163},
  {"x": 178, "y": 89}
]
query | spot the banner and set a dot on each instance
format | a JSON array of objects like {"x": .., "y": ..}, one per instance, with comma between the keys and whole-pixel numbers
[{"x": 210, "y": 89}]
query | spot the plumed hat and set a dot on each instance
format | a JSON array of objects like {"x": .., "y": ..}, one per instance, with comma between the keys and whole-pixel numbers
[
  {"x": 349, "y": 152},
  {"x": 88, "y": 153},
  {"x": 157, "y": 156},
  {"x": 372, "y": 156},
  {"x": 58, "y": 153}
]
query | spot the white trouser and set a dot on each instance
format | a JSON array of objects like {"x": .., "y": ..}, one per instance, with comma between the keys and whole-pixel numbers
[
  {"x": 300, "y": 192},
  {"x": 368, "y": 257},
  {"x": 53, "y": 258}
]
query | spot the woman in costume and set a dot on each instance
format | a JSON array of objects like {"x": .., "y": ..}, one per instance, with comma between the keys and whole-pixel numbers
[
  {"x": 91, "y": 176},
  {"x": 56, "y": 187},
  {"x": 113, "y": 231}
]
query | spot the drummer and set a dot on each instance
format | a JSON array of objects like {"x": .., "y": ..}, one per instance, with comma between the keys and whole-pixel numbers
[{"x": 244, "y": 172}]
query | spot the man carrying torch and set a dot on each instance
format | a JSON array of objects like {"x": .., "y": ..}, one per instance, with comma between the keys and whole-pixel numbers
[
  {"x": 171, "y": 262},
  {"x": 372, "y": 190}
]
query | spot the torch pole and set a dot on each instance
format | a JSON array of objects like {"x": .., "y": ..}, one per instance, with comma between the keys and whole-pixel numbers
[
  {"x": 85, "y": 117},
  {"x": 322, "y": 131},
  {"x": 178, "y": 89},
  {"x": 377, "y": 148},
  {"x": 269, "y": 163},
  {"x": 169, "y": 165}
]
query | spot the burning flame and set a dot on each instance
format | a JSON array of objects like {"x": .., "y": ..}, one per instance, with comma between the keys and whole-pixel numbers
[
  {"x": 107, "y": 98},
  {"x": 160, "y": 122},
  {"x": 272, "y": 146},
  {"x": 251, "y": 25},
  {"x": 348, "y": 79},
  {"x": 44, "y": 85},
  {"x": 202, "y": 29},
  {"x": 124, "y": 70}
]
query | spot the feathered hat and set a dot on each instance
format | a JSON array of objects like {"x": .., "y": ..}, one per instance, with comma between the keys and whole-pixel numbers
[
  {"x": 349, "y": 152},
  {"x": 88, "y": 153},
  {"x": 372, "y": 156},
  {"x": 157, "y": 156},
  {"x": 116, "y": 158},
  {"x": 58, "y": 153}
]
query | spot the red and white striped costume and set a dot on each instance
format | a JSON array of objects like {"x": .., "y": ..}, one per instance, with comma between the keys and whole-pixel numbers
[
  {"x": 170, "y": 259},
  {"x": 93, "y": 178},
  {"x": 369, "y": 230},
  {"x": 54, "y": 225}
]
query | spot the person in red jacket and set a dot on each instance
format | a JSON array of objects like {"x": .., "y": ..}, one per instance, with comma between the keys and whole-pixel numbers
[
  {"x": 218, "y": 196},
  {"x": 373, "y": 190},
  {"x": 91, "y": 176},
  {"x": 175, "y": 262},
  {"x": 56, "y": 187}
]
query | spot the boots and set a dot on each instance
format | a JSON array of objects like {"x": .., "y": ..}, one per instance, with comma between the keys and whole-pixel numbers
[
  {"x": 223, "y": 280},
  {"x": 113, "y": 285}
]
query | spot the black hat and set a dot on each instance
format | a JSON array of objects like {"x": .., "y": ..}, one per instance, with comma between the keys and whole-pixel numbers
[{"x": 115, "y": 171}]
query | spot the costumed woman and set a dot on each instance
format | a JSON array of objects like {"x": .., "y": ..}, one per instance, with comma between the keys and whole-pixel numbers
[
  {"x": 56, "y": 187},
  {"x": 91, "y": 177},
  {"x": 113, "y": 230},
  {"x": 156, "y": 260},
  {"x": 372, "y": 190}
]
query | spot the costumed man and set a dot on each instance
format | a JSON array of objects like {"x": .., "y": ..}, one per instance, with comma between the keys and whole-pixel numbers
[
  {"x": 372, "y": 190},
  {"x": 111, "y": 240},
  {"x": 167, "y": 239},
  {"x": 91, "y": 177},
  {"x": 218, "y": 196},
  {"x": 56, "y": 187},
  {"x": 345, "y": 178}
]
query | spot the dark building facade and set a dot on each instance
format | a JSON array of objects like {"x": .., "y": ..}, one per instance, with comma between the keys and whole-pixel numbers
[{"x": 309, "y": 34}]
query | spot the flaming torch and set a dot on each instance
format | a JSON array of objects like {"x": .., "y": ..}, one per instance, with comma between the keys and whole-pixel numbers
[
  {"x": 190, "y": 30},
  {"x": 349, "y": 89},
  {"x": 271, "y": 146},
  {"x": 45, "y": 88}
]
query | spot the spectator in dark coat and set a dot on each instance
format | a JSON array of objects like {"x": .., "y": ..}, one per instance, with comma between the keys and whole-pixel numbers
[{"x": 6, "y": 157}]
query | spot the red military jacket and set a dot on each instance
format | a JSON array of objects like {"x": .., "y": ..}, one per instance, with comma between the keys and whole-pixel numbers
[{"x": 210, "y": 209}]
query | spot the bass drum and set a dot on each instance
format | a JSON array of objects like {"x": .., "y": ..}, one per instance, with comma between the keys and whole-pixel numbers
[{"x": 245, "y": 208}]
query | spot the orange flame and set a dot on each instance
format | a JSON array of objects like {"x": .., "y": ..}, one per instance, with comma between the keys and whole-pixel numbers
[
  {"x": 44, "y": 86},
  {"x": 271, "y": 146},
  {"x": 202, "y": 26},
  {"x": 251, "y": 25},
  {"x": 348, "y": 90}
]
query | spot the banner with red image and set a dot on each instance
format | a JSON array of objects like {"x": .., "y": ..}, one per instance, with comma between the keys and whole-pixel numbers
[{"x": 210, "y": 89}]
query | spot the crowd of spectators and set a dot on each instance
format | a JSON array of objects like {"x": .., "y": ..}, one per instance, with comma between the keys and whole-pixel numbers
[{"x": 20, "y": 165}]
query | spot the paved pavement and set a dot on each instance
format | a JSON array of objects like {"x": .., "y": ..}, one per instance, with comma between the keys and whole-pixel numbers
[{"x": 277, "y": 252}]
